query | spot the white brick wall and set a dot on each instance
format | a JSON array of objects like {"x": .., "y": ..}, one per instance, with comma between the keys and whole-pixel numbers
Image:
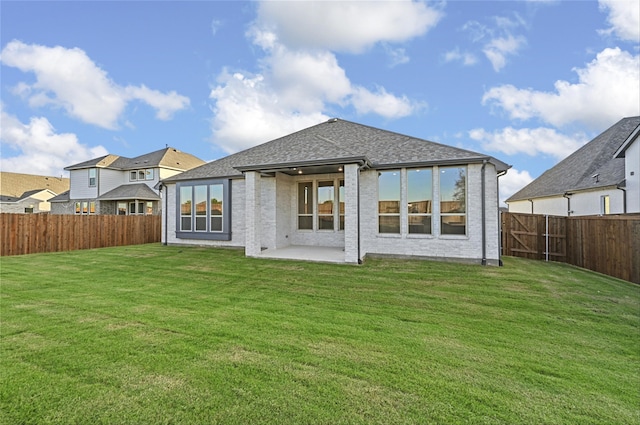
[
  {"x": 435, "y": 245},
  {"x": 276, "y": 219}
]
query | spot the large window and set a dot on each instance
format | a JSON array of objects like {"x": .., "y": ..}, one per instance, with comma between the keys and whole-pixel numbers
[
  {"x": 453, "y": 200},
  {"x": 419, "y": 197},
  {"x": 325, "y": 205},
  {"x": 85, "y": 207},
  {"x": 389, "y": 201},
  {"x": 204, "y": 210},
  {"x": 305, "y": 206}
]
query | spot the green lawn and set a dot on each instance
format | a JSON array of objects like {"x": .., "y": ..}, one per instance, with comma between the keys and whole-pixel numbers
[{"x": 151, "y": 334}]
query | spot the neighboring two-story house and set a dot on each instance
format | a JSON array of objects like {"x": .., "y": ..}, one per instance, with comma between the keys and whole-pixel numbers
[{"x": 113, "y": 184}]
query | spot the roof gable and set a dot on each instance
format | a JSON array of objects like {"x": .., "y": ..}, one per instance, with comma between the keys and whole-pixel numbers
[
  {"x": 333, "y": 141},
  {"x": 167, "y": 158},
  {"x": 593, "y": 165}
]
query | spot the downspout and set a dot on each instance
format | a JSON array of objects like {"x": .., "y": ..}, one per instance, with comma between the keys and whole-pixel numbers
[
  {"x": 484, "y": 213},
  {"x": 624, "y": 198},
  {"x": 568, "y": 196},
  {"x": 500, "y": 174},
  {"x": 531, "y": 200},
  {"x": 165, "y": 211}
]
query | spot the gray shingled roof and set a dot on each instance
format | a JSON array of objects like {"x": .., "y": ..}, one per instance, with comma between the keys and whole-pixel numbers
[
  {"x": 576, "y": 171},
  {"x": 334, "y": 141},
  {"x": 63, "y": 197},
  {"x": 130, "y": 191},
  {"x": 167, "y": 158}
]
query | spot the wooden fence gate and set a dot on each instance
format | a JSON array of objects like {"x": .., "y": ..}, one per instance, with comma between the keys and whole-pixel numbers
[
  {"x": 532, "y": 236},
  {"x": 606, "y": 244}
]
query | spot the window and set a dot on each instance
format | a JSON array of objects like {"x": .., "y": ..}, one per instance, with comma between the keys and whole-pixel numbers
[
  {"x": 132, "y": 208},
  {"x": 186, "y": 193},
  {"x": 453, "y": 204},
  {"x": 28, "y": 210},
  {"x": 149, "y": 210},
  {"x": 204, "y": 211},
  {"x": 136, "y": 175},
  {"x": 389, "y": 202},
  {"x": 604, "y": 205},
  {"x": 85, "y": 207},
  {"x": 325, "y": 205},
  {"x": 122, "y": 208},
  {"x": 78, "y": 207},
  {"x": 305, "y": 206},
  {"x": 93, "y": 177},
  {"x": 216, "y": 192},
  {"x": 92, "y": 207},
  {"x": 419, "y": 197}
]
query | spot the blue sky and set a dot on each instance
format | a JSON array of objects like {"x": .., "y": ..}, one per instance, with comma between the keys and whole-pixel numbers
[{"x": 525, "y": 81}]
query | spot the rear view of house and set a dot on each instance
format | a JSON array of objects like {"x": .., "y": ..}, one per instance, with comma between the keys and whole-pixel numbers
[
  {"x": 124, "y": 186},
  {"x": 345, "y": 187}
]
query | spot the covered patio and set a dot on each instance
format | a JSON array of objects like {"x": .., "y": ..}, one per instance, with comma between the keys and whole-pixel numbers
[{"x": 322, "y": 254}]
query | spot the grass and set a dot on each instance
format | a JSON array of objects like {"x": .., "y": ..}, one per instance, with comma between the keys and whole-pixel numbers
[{"x": 173, "y": 335}]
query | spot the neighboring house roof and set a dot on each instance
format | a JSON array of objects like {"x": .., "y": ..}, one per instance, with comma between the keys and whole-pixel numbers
[
  {"x": 131, "y": 191},
  {"x": 337, "y": 142},
  {"x": 166, "y": 158},
  {"x": 620, "y": 153},
  {"x": 599, "y": 158},
  {"x": 14, "y": 185},
  {"x": 46, "y": 194},
  {"x": 63, "y": 197}
]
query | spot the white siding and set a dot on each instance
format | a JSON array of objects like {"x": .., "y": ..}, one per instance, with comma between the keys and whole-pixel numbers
[
  {"x": 632, "y": 176},
  {"x": 79, "y": 185},
  {"x": 109, "y": 179},
  {"x": 588, "y": 202}
]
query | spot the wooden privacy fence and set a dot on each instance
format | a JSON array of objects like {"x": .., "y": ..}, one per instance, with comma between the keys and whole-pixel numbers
[
  {"x": 606, "y": 244},
  {"x": 32, "y": 233}
]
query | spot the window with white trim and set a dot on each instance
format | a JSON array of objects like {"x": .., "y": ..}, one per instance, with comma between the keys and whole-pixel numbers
[
  {"x": 389, "y": 202},
  {"x": 305, "y": 206},
  {"x": 93, "y": 177},
  {"x": 326, "y": 200},
  {"x": 419, "y": 200},
  {"x": 141, "y": 175},
  {"x": 453, "y": 200}
]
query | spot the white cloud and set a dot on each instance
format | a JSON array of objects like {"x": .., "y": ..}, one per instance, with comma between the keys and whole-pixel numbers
[
  {"x": 397, "y": 56},
  {"x": 300, "y": 78},
  {"x": 499, "y": 48},
  {"x": 349, "y": 26},
  {"x": 608, "y": 89},
  {"x": 41, "y": 150},
  {"x": 466, "y": 58},
  {"x": 69, "y": 79},
  {"x": 536, "y": 141},
  {"x": 624, "y": 18},
  {"x": 512, "y": 182},
  {"x": 498, "y": 41},
  {"x": 247, "y": 112},
  {"x": 383, "y": 103}
]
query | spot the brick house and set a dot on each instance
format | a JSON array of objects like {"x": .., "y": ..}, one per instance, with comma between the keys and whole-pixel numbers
[{"x": 340, "y": 191}]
